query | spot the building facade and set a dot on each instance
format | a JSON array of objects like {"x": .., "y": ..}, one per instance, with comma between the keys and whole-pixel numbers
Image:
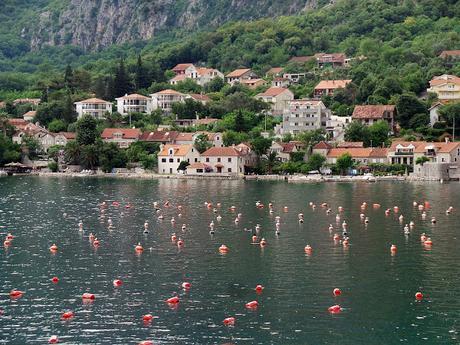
[
  {"x": 304, "y": 115},
  {"x": 134, "y": 103},
  {"x": 164, "y": 99},
  {"x": 94, "y": 107}
]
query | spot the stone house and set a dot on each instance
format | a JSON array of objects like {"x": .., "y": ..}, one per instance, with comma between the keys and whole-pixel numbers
[
  {"x": 369, "y": 114},
  {"x": 123, "y": 137},
  {"x": 328, "y": 87},
  {"x": 278, "y": 98},
  {"x": 238, "y": 75},
  {"x": 171, "y": 156}
]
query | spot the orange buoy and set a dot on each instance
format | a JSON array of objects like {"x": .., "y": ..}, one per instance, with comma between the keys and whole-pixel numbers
[
  {"x": 335, "y": 309},
  {"x": 393, "y": 248},
  {"x": 88, "y": 296},
  {"x": 337, "y": 292},
  {"x": 7, "y": 243},
  {"x": 259, "y": 288},
  {"x": 254, "y": 238},
  {"x": 418, "y": 296},
  {"x": 336, "y": 237},
  {"x": 9, "y": 237},
  {"x": 54, "y": 248},
  {"x": 345, "y": 243},
  {"x": 96, "y": 242},
  {"x": 173, "y": 300},
  {"x": 16, "y": 294},
  {"x": 138, "y": 248},
  {"x": 423, "y": 237},
  {"x": 428, "y": 242},
  {"x": 117, "y": 283},
  {"x": 147, "y": 317},
  {"x": 173, "y": 237},
  {"x": 55, "y": 280},
  {"x": 263, "y": 243},
  {"x": 115, "y": 203},
  {"x": 223, "y": 249},
  {"x": 186, "y": 285},
  {"x": 229, "y": 321},
  {"x": 308, "y": 249},
  {"x": 146, "y": 342},
  {"x": 67, "y": 315},
  {"x": 53, "y": 339},
  {"x": 252, "y": 305},
  {"x": 180, "y": 243}
]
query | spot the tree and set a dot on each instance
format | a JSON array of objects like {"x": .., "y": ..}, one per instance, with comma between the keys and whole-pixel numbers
[
  {"x": 260, "y": 145},
  {"x": 378, "y": 133},
  {"x": 316, "y": 161},
  {"x": 89, "y": 156},
  {"x": 407, "y": 106},
  {"x": 270, "y": 161},
  {"x": 56, "y": 126},
  {"x": 72, "y": 152},
  {"x": 122, "y": 83},
  {"x": 215, "y": 85},
  {"x": 239, "y": 122},
  {"x": 451, "y": 113},
  {"x": 68, "y": 77},
  {"x": 356, "y": 131},
  {"x": 421, "y": 160},
  {"x": 9, "y": 152},
  {"x": 344, "y": 162},
  {"x": 183, "y": 166},
  {"x": 111, "y": 157},
  {"x": 32, "y": 146},
  {"x": 86, "y": 130},
  {"x": 141, "y": 78},
  {"x": 68, "y": 113},
  {"x": 202, "y": 143},
  {"x": 189, "y": 109}
]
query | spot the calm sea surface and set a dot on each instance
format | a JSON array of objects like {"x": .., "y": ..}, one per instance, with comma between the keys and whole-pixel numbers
[{"x": 378, "y": 289}]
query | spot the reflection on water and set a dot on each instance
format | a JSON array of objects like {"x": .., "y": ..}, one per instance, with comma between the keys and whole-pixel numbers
[{"x": 378, "y": 289}]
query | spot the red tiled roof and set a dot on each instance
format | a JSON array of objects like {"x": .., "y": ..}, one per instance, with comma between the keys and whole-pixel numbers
[
  {"x": 133, "y": 96},
  {"x": 179, "y": 150},
  {"x": 350, "y": 144},
  {"x": 405, "y": 144},
  {"x": 372, "y": 111},
  {"x": 168, "y": 92},
  {"x": 159, "y": 136},
  {"x": 443, "y": 79},
  {"x": 68, "y": 135},
  {"x": 182, "y": 66},
  {"x": 253, "y": 81},
  {"x": 288, "y": 147},
  {"x": 127, "y": 133},
  {"x": 220, "y": 152},
  {"x": 275, "y": 70},
  {"x": 446, "y": 53},
  {"x": 322, "y": 145},
  {"x": 273, "y": 92},
  {"x": 379, "y": 152},
  {"x": 441, "y": 147},
  {"x": 198, "y": 165},
  {"x": 205, "y": 121},
  {"x": 185, "y": 137},
  {"x": 334, "y": 57},
  {"x": 93, "y": 101},
  {"x": 354, "y": 152},
  {"x": 238, "y": 72},
  {"x": 332, "y": 84},
  {"x": 179, "y": 77}
]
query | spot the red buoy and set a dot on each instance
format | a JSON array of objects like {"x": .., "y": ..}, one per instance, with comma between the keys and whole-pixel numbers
[
  {"x": 393, "y": 248},
  {"x": 147, "y": 317},
  {"x": 337, "y": 292},
  {"x": 186, "y": 285},
  {"x": 418, "y": 296},
  {"x": 252, "y": 305},
  {"x": 180, "y": 243},
  {"x": 67, "y": 315},
  {"x": 9, "y": 237},
  {"x": 259, "y": 288},
  {"x": 139, "y": 248},
  {"x": 117, "y": 283},
  {"x": 335, "y": 309},
  {"x": 54, "y": 248},
  {"x": 53, "y": 339},
  {"x": 88, "y": 296},
  {"x": 308, "y": 249},
  {"x": 16, "y": 294},
  {"x": 229, "y": 321},
  {"x": 55, "y": 280},
  {"x": 173, "y": 300},
  {"x": 223, "y": 249},
  {"x": 146, "y": 342},
  {"x": 7, "y": 243}
]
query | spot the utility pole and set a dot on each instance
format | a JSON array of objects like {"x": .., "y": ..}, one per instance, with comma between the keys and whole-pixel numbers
[{"x": 453, "y": 127}]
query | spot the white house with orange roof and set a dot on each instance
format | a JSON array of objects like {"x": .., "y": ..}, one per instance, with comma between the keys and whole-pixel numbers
[
  {"x": 29, "y": 116},
  {"x": 278, "y": 98},
  {"x": 123, "y": 137},
  {"x": 93, "y": 106},
  {"x": 228, "y": 160},
  {"x": 252, "y": 83},
  {"x": 446, "y": 87},
  {"x": 164, "y": 99},
  {"x": 171, "y": 156},
  {"x": 201, "y": 75},
  {"x": 328, "y": 87},
  {"x": 215, "y": 139},
  {"x": 134, "y": 103},
  {"x": 238, "y": 75}
]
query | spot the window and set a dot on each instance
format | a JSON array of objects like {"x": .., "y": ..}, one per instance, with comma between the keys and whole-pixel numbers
[
  {"x": 230, "y": 160},
  {"x": 178, "y": 160},
  {"x": 171, "y": 151},
  {"x": 171, "y": 160},
  {"x": 196, "y": 160},
  {"x": 163, "y": 160},
  {"x": 229, "y": 169},
  {"x": 207, "y": 159},
  {"x": 218, "y": 160}
]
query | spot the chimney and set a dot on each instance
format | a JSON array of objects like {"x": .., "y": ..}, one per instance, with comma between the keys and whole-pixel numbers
[{"x": 447, "y": 139}]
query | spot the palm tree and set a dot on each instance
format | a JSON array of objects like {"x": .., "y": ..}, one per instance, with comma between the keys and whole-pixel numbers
[
  {"x": 271, "y": 161},
  {"x": 72, "y": 152},
  {"x": 90, "y": 156}
]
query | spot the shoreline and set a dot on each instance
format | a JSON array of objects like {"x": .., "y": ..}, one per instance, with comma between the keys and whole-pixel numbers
[{"x": 288, "y": 179}]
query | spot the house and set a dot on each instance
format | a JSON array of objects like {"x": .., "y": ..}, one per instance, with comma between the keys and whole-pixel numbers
[
  {"x": 205, "y": 75},
  {"x": 201, "y": 75},
  {"x": 238, "y": 75},
  {"x": 350, "y": 144},
  {"x": 184, "y": 68},
  {"x": 203, "y": 99},
  {"x": 252, "y": 83},
  {"x": 336, "y": 125},
  {"x": 361, "y": 156},
  {"x": 123, "y": 137},
  {"x": 161, "y": 137},
  {"x": 284, "y": 150},
  {"x": 303, "y": 115},
  {"x": 443, "y": 160},
  {"x": 274, "y": 72},
  {"x": 206, "y": 121},
  {"x": 171, "y": 156},
  {"x": 446, "y": 87},
  {"x": 330, "y": 60},
  {"x": 195, "y": 122},
  {"x": 281, "y": 82},
  {"x": 198, "y": 168},
  {"x": 33, "y": 101},
  {"x": 164, "y": 99},
  {"x": 322, "y": 148},
  {"x": 62, "y": 138},
  {"x": 450, "y": 54},
  {"x": 402, "y": 152},
  {"x": 228, "y": 160},
  {"x": 24, "y": 128},
  {"x": 328, "y": 87},
  {"x": 370, "y": 114},
  {"x": 29, "y": 116},
  {"x": 177, "y": 79},
  {"x": 278, "y": 98},
  {"x": 294, "y": 78},
  {"x": 434, "y": 113},
  {"x": 93, "y": 106},
  {"x": 134, "y": 103},
  {"x": 215, "y": 139}
]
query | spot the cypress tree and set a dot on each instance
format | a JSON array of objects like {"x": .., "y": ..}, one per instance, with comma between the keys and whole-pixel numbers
[
  {"x": 122, "y": 83},
  {"x": 141, "y": 75}
]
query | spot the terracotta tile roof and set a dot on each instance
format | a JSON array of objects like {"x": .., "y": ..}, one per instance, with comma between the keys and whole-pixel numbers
[
  {"x": 127, "y": 133},
  {"x": 200, "y": 97},
  {"x": 275, "y": 70},
  {"x": 221, "y": 152},
  {"x": 322, "y": 145},
  {"x": 181, "y": 67},
  {"x": 238, "y": 72},
  {"x": 206, "y": 121},
  {"x": 333, "y": 57},
  {"x": 201, "y": 71},
  {"x": 179, "y": 77},
  {"x": 403, "y": 143},
  {"x": 185, "y": 137},
  {"x": 305, "y": 101},
  {"x": 252, "y": 81},
  {"x": 19, "y": 124},
  {"x": 350, "y": 144},
  {"x": 446, "y": 53},
  {"x": 354, "y": 152},
  {"x": 372, "y": 111},
  {"x": 301, "y": 59},
  {"x": 332, "y": 84},
  {"x": 273, "y": 92},
  {"x": 288, "y": 147},
  {"x": 93, "y": 101},
  {"x": 379, "y": 152},
  {"x": 449, "y": 147},
  {"x": 444, "y": 79},
  {"x": 133, "y": 96},
  {"x": 168, "y": 92},
  {"x": 198, "y": 165},
  {"x": 30, "y": 113},
  {"x": 159, "y": 136},
  {"x": 68, "y": 135},
  {"x": 440, "y": 147},
  {"x": 179, "y": 150}
]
